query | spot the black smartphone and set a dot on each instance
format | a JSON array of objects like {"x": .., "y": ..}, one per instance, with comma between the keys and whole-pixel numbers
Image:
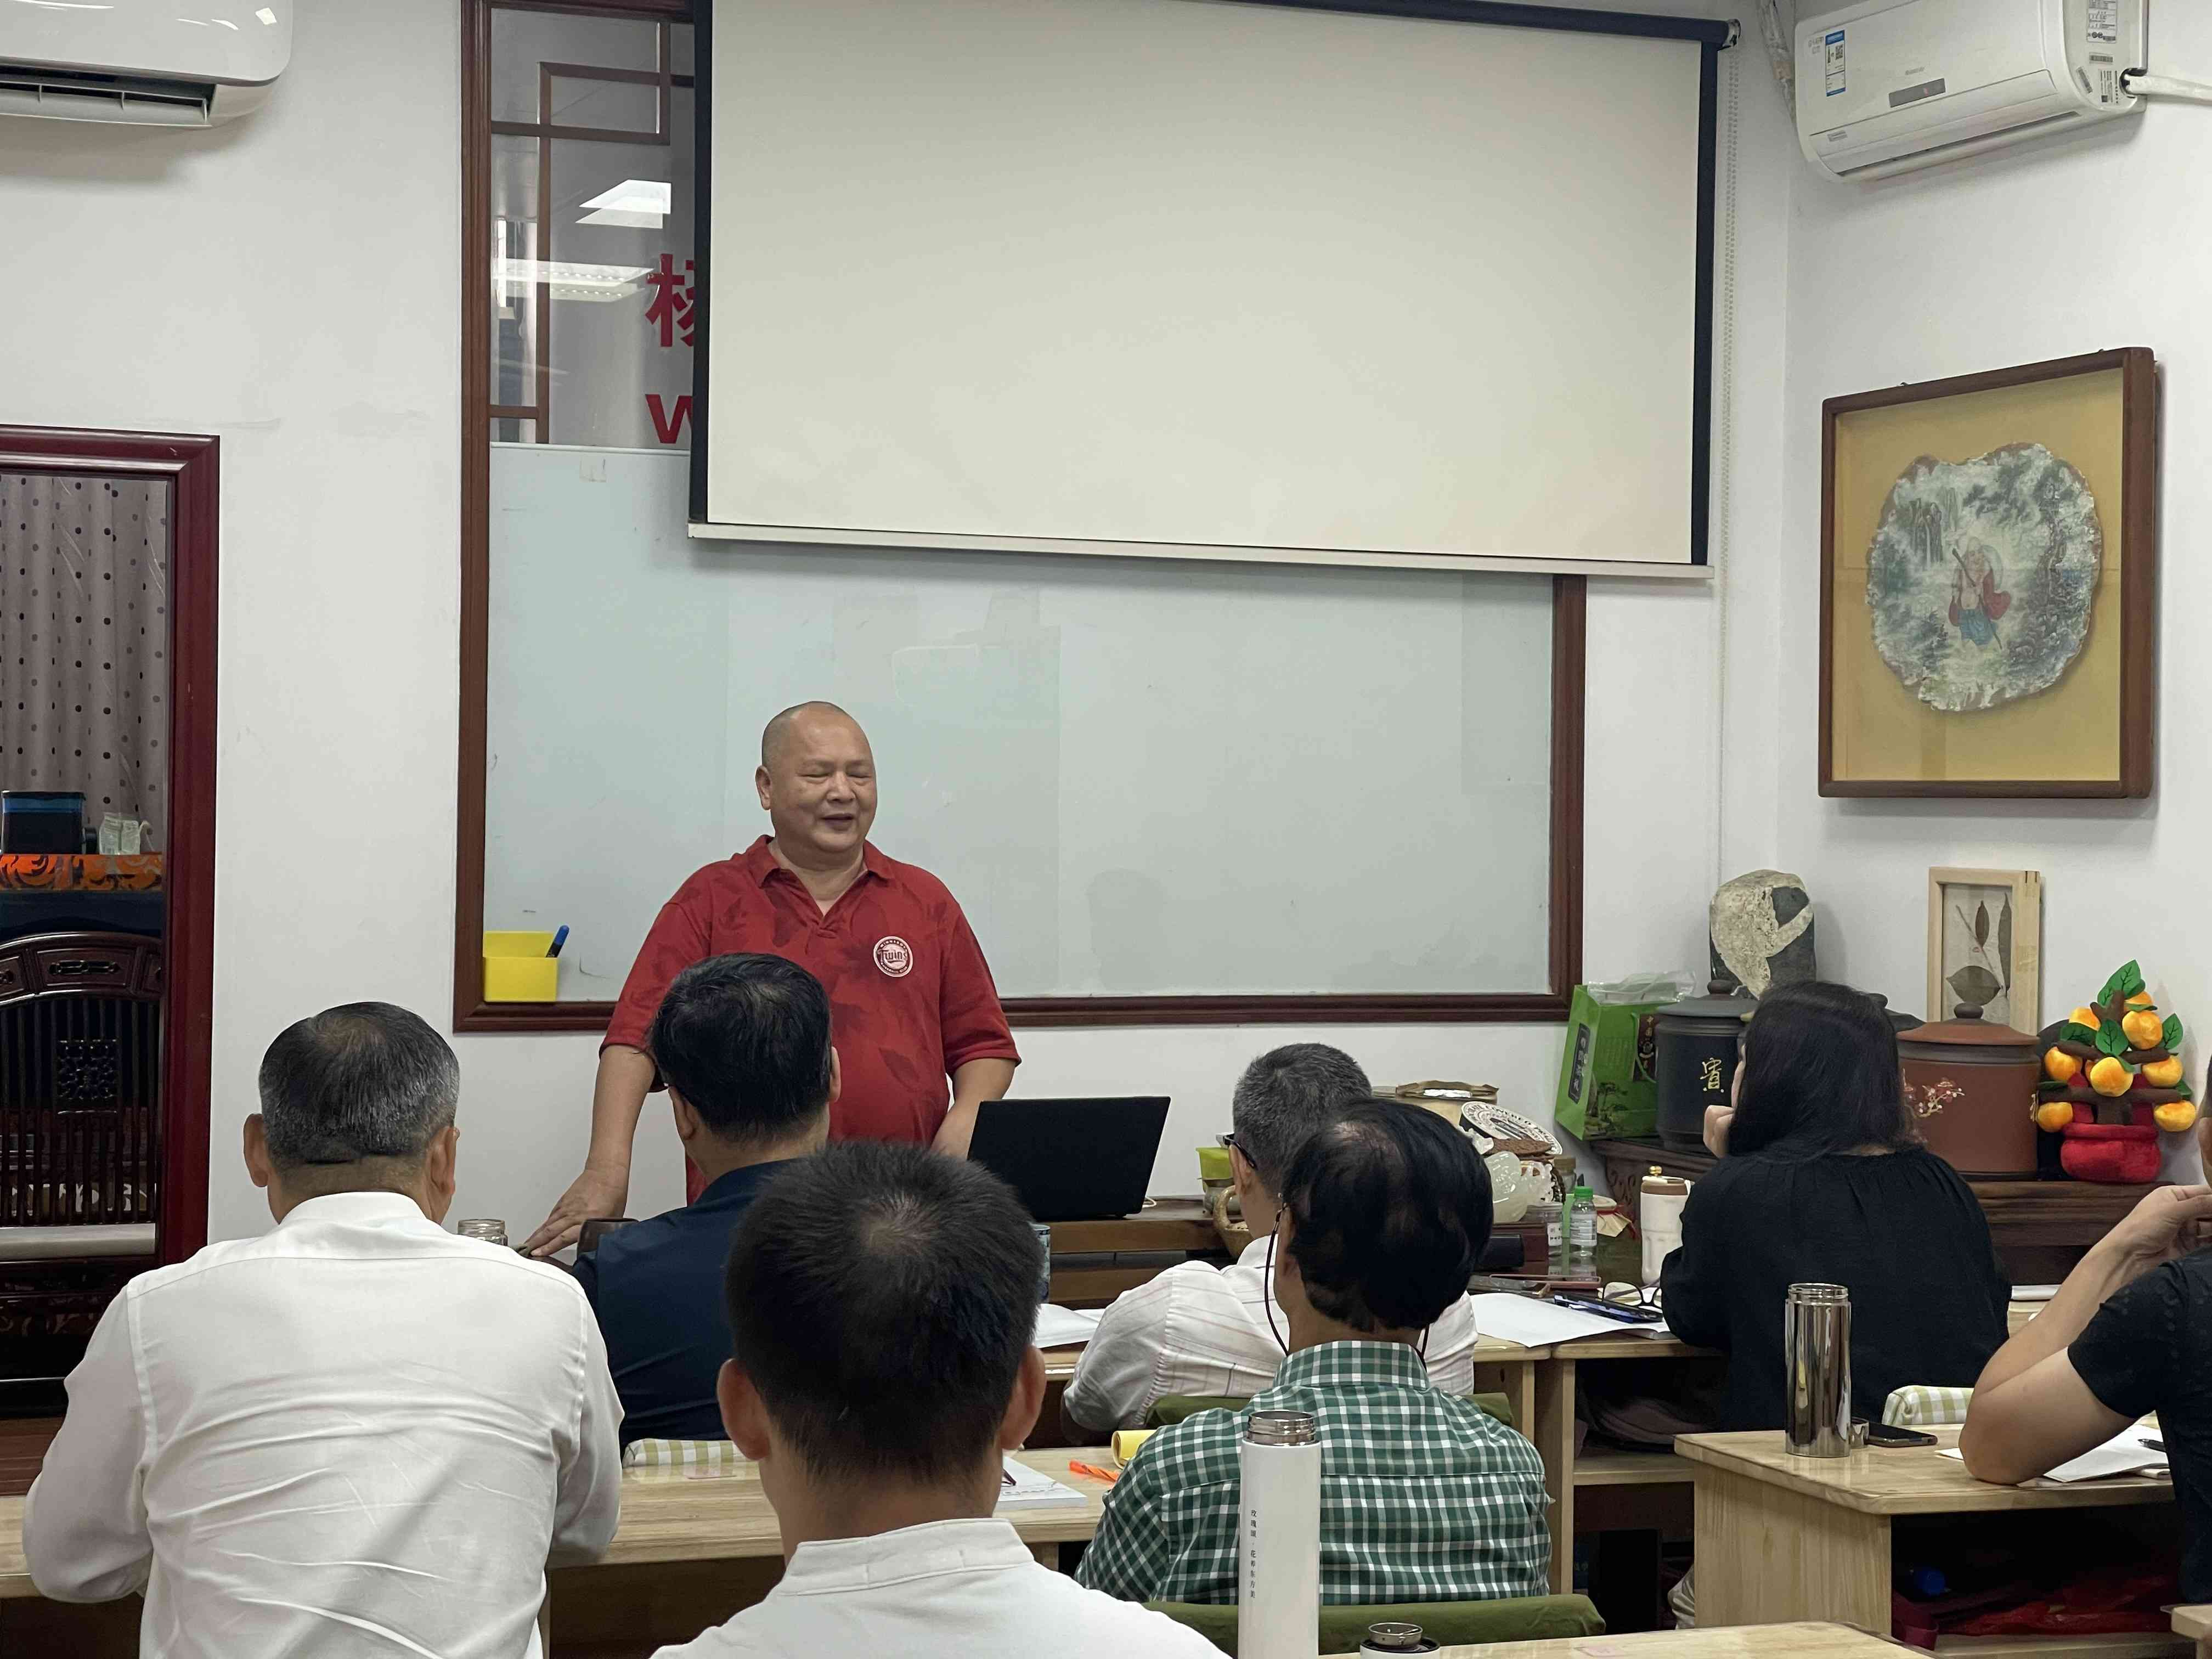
[{"x": 1881, "y": 1435}]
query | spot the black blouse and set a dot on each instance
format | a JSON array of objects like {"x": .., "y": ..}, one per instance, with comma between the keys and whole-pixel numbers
[{"x": 1901, "y": 1231}]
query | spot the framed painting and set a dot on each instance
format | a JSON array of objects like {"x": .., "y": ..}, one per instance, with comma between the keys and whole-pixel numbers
[
  {"x": 1988, "y": 582},
  {"x": 1985, "y": 944}
]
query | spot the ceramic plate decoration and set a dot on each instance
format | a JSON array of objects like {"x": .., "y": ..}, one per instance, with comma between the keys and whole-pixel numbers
[{"x": 1982, "y": 574}]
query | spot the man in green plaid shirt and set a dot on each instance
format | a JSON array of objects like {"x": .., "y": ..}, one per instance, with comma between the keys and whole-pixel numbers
[{"x": 1423, "y": 1497}]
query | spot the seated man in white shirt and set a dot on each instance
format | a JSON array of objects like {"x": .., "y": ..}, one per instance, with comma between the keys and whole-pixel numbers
[
  {"x": 356, "y": 1435},
  {"x": 881, "y": 1301},
  {"x": 1198, "y": 1329}
]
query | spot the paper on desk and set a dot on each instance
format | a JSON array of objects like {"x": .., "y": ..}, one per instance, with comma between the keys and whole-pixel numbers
[
  {"x": 2126, "y": 1452},
  {"x": 1032, "y": 1491},
  {"x": 2033, "y": 1292},
  {"x": 1065, "y": 1327},
  {"x": 1535, "y": 1323}
]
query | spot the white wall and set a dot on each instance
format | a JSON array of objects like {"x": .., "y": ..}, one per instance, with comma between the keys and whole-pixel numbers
[
  {"x": 289, "y": 283},
  {"x": 2040, "y": 253}
]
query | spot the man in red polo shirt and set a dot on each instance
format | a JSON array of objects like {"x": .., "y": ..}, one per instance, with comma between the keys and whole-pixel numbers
[{"x": 911, "y": 1001}]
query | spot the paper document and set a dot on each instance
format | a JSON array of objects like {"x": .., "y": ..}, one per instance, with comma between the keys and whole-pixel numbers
[
  {"x": 2125, "y": 1453},
  {"x": 2033, "y": 1292},
  {"x": 1030, "y": 1491},
  {"x": 1536, "y": 1322},
  {"x": 1065, "y": 1327}
]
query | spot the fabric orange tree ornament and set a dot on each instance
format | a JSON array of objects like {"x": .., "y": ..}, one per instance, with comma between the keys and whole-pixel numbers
[{"x": 2112, "y": 1082}]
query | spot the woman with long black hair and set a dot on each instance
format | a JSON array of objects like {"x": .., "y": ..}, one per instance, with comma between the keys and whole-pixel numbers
[{"x": 1822, "y": 1177}]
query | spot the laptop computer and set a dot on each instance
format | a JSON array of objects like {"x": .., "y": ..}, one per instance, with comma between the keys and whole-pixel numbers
[{"x": 1072, "y": 1160}]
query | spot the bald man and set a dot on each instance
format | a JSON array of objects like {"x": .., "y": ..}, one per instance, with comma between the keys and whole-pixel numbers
[{"x": 911, "y": 998}]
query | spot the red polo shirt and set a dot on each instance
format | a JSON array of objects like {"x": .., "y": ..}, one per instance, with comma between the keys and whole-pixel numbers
[{"x": 910, "y": 996}]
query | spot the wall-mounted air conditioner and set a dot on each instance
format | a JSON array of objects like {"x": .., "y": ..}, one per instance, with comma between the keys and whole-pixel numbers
[
  {"x": 1886, "y": 86},
  {"x": 148, "y": 63}
]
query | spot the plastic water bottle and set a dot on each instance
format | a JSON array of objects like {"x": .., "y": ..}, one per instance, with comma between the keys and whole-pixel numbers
[
  {"x": 1279, "y": 1537},
  {"x": 1582, "y": 1230}
]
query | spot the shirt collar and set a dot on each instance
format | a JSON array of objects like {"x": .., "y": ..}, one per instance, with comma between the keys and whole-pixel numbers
[
  {"x": 1332, "y": 1365},
  {"x": 740, "y": 1183},
  {"x": 357, "y": 1208},
  {"x": 760, "y": 862},
  {"x": 1254, "y": 1255},
  {"x": 825, "y": 1566}
]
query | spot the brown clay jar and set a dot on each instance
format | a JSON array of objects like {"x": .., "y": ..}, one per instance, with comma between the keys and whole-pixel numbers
[{"x": 1969, "y": 1084}]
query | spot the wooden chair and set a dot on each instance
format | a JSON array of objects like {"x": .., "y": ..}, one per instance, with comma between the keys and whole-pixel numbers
[{"x": 1343, "y": 1628}]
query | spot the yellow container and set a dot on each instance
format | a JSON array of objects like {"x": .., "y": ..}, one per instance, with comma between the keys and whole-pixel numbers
[{"x": 517, "y": 969}]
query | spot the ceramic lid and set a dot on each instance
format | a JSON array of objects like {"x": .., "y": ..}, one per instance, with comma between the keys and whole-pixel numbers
[
  {"x": 1966, "y": 1028},
  {"x": 1724, "y": 1000}
]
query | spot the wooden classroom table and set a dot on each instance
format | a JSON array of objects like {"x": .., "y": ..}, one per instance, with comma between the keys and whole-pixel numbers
[
  {"x": 1782, "y": 1538},
  {"x": 1754, "y": 1641},
  {"x": 691, "y": 1550},
  {"x": 1094, "y": 1261}
]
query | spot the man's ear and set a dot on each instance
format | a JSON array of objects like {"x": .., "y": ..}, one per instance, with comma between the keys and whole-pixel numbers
[
  {"x": 687, "y": 1121},
  {"x": 760, "y": 785},
  {"x": 441, "y": 1161},
  {"x": 1027, "y": 1400},
  {"x": 258, "y": 1165},
  {"x": 743, "y": 1415},
  {"x": 836, "y": 1077}
]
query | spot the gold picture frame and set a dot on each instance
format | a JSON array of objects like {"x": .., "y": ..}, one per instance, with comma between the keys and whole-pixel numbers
[{"x": 1985, "y": 935}]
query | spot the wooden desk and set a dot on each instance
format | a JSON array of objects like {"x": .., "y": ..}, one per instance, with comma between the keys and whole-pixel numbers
[
  {"x": 1783, "y": 1538},
  {"x": 1094, "y": 1261},
  {"x": 2040, "y": 1227},
  {"x": 1756, "y": 1642}
]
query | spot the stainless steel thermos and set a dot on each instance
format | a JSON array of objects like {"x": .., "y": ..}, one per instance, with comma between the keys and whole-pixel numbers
[
  {"x": 1279, "y": 1537},
  {"x": 1816, "y": 1359}
]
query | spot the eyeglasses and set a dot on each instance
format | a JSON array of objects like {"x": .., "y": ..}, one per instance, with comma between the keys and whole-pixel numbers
[{"x": 1228, "y": 1144}]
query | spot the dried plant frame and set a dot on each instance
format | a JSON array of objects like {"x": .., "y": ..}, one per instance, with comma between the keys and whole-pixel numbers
[{"x": 1985, "y": 944}]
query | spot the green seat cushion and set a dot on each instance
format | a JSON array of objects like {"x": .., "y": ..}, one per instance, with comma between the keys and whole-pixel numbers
[
  {"x": 1174, "y": 1408},
  {"x": 1511, "y": 1619}
]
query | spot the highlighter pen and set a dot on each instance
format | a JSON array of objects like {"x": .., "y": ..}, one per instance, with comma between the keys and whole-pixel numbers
[{"x": 559, "y": 939}]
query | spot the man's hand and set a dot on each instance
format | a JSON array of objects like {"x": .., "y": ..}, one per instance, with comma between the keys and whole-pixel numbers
[
  {"x": 2167, "y": 1224},
  {"x": 1717, "y": 1119},
  {"x": 599, "y": 1191}
]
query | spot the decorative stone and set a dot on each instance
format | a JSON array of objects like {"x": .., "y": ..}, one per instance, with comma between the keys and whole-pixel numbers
[{"x": 1762, "y": 931}]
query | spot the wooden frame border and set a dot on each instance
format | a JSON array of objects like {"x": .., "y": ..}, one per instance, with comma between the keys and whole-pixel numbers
[
  {"x": 472, "y": 1013},
  {"x": 2027, "y": 887},
  {"x": 192, "y": 465},
  {"x": 2138, "y": 619}
]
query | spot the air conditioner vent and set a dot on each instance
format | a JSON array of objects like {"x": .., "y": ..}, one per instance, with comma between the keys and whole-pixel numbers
[{"x": 80, "y": 95}]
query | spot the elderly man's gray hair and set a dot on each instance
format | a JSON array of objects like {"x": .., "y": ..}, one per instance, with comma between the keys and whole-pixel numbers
[
  {"x": 1287, "y": 1094},
  {"x": 363, "y": 1080}
]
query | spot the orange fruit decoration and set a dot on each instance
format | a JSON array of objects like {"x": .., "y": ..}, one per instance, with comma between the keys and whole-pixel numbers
[
  {"x": 2162, "y": 1074},
  {"x": 2175, "y": 1115},
  {"x": 2087, "y": 1016},
  {"x": 2111, "y": 1078},
  {"x": 2144, "y": 1029},
  {"x": 2053, "y": 1116},
  {"x": 2059, "y": 1066},
  {"x": 2141, "y": 999}
]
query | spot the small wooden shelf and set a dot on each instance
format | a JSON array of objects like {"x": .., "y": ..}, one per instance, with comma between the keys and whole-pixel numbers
[{"x": 1628, "y": 1468}]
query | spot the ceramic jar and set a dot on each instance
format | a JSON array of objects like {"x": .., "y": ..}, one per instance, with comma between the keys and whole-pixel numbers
[
  {"x": 1696, "y": 1042},
  {"x": 1971, "y": 1085}
]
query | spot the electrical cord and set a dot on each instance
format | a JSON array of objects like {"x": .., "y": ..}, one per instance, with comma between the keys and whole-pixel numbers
[{"x": 2141, "y": 84}]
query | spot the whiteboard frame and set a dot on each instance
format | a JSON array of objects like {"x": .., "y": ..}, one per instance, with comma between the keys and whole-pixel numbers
[{"x": 1712, "y": 37}]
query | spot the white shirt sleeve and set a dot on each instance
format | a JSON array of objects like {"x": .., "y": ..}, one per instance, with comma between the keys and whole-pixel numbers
[
  {"x": 85, "y": 1535},
  {"x": 1112, "y": 1388},
  {"x": 588, "y": 1504}
]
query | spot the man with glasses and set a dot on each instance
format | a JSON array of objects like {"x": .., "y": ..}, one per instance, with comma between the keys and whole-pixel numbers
[{"x": 1197, "y": 1329}]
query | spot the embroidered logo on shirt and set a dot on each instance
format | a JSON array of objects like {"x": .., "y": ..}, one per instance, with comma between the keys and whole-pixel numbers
[{"x": 893, "y": 956}]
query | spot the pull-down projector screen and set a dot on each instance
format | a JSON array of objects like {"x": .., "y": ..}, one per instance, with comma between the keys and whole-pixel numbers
[{"x": 1195, "y": 279}]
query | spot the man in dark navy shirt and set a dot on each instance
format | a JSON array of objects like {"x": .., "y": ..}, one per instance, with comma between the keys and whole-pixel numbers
[{"x": 742, "y": 1043}]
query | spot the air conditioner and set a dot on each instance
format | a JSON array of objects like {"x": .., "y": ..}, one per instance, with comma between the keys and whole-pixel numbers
[
  {"x": 1886, "y": 86},
  {"x": 140, "y": 62}
]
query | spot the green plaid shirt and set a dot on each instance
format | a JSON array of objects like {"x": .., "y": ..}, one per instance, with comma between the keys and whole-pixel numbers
[{"x": 1423, "y": 1497}]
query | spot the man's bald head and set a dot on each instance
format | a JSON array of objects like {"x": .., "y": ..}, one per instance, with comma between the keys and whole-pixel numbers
[{"x": 778, "y": 731}]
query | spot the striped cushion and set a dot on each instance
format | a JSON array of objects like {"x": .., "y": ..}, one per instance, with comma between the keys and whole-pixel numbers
[{"x": 717, "y": 1455}]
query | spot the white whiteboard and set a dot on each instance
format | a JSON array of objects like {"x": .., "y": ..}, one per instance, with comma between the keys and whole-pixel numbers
[
  {"x": 1138, "y": 778},
  {"x": 1178, "y": 277}
]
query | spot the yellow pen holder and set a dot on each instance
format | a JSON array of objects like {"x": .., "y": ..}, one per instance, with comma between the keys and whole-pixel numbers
[{"x": 517, "y": 969}]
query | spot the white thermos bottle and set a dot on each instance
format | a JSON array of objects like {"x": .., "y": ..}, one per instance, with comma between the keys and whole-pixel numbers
[{"x": 1278, "y": 1538}]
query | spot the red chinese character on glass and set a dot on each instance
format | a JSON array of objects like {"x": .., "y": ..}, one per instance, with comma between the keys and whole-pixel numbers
[{"x": 673, "y": 296}]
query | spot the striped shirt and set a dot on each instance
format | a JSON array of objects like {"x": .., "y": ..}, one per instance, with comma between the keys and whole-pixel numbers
[
  {"x": 1423, "y": 1497},
  {"x": 1198, "y": 1329}
]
